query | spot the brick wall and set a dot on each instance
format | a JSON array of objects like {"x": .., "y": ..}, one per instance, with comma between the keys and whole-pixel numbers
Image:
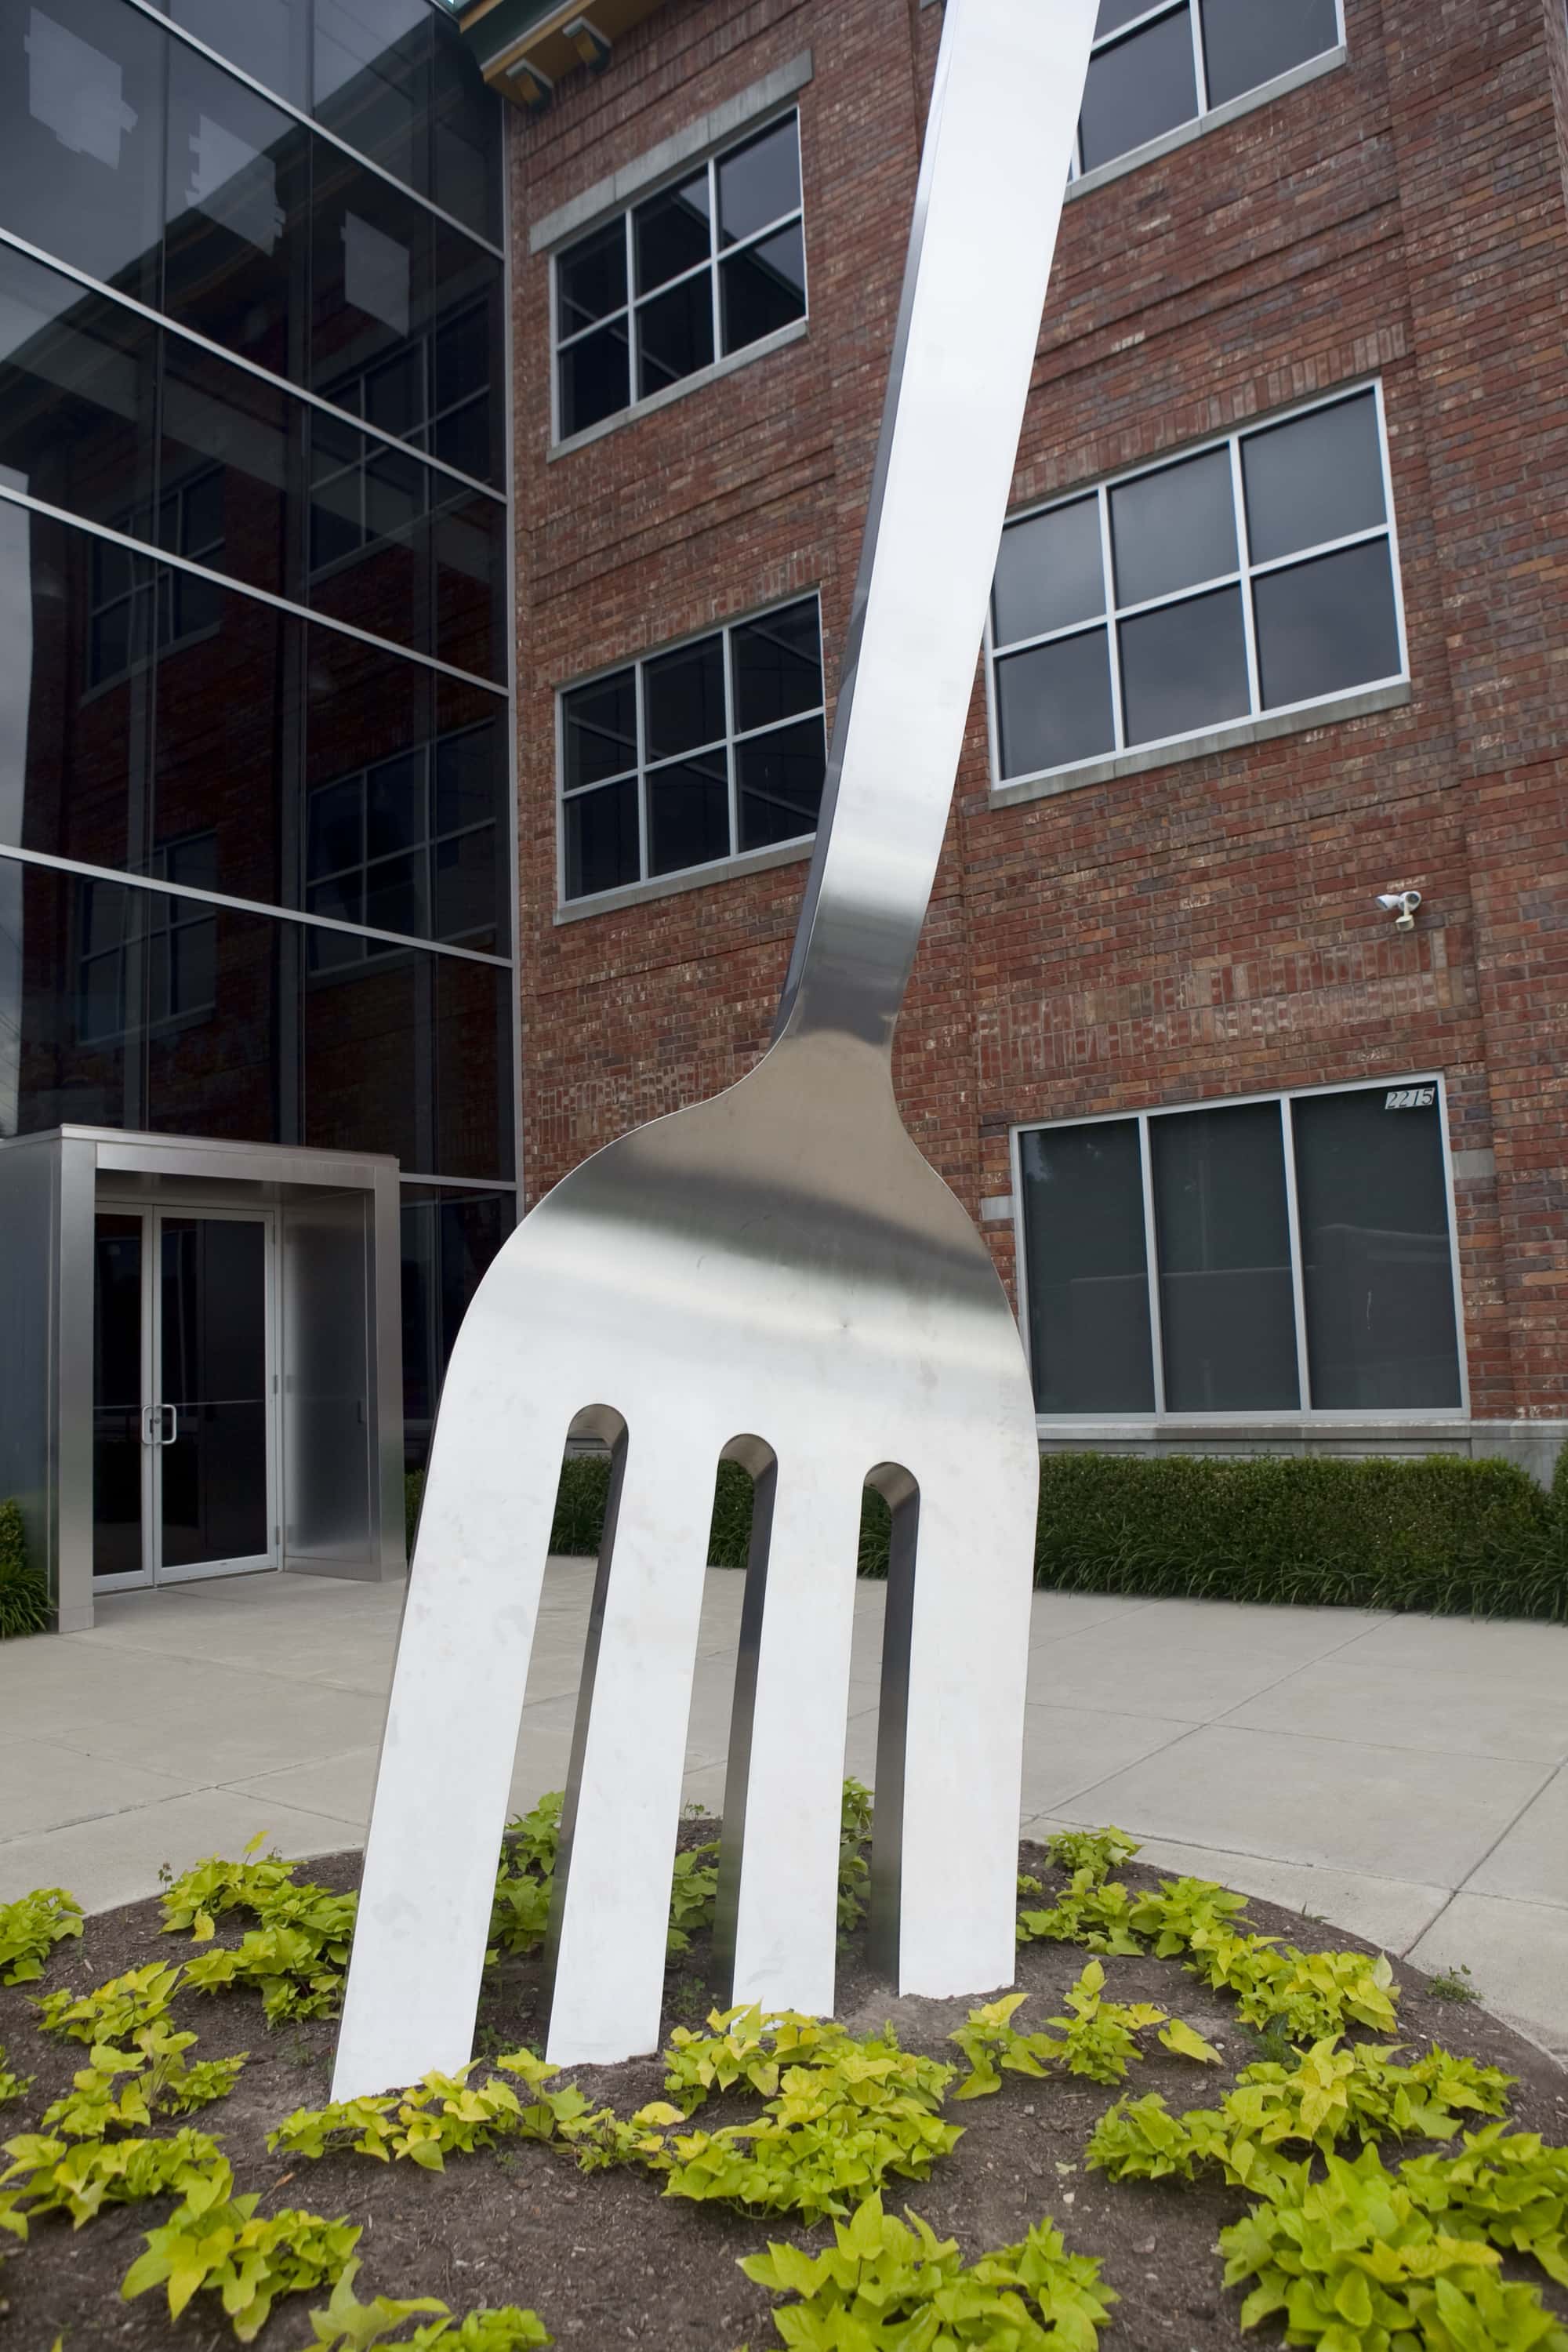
[{"x": 1202, "y": 929}]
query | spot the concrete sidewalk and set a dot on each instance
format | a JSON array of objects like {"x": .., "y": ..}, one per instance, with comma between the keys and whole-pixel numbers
[{"x": 1406, "y": 1777}]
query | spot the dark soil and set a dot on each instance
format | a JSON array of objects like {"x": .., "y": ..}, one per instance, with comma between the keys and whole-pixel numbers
[{"x": 604, "y": 2259}]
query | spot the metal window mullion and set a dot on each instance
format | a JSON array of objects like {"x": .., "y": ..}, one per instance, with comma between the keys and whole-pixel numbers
[
  {"x": 1298, "y": 1271},
  {"x": 564, "y": 344},
  {"x": 1200, "y": 71},
  {"x": 1299, "y": 555},
  {"x": 1243, "y": 549},
  {"x": 644, "y": 827},
  {"x": 1152, "y": 1263},
  {"x": 634, "y": 360},
  {"x": 719, "y": 352},
  {"x": 776, "y": 726},
  {"x": 1392, "y": 527},
  {"x": 731, "y": 755},
  {"x": 1113, "y": 638}
]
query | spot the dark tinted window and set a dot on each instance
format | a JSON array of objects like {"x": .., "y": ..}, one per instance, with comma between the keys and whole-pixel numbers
[
  {"x": 1376, "y": 1252},
  {"x": 602, "y": 843},
  {"x": 688, "y": 812},
  {"x": 1248, "y": 42},
  {"x": 1327, "y": 625},
  {"x": 595, "y": 378},
  {"x": 600, "y": 729},
  {"x": 777, "y": 665},
  {"x": 1184, "y": 666},
  {"x": 1088, "y": 1269},
  {"x": 1174, "y": 527},
  {"x": 683, "y": 699},
  {"x": 77, "y": 377},
  {"x": 371, "y": 74},
  {"x": 1050, "y": 572},
  {"x": 1314, "y": 479},
  {"x": 81, "y": 135},
  {"x": 1227, "y": 1311},
  {"x": 590, "y": 278},
  {"x": 1054, "y": 704},
  {"x": 240, "y": 439},
  {"x": 779, "y": 779},
  {"x": 237, "y": 205},
  {"x": 759, "y": 183},
  {"x": 762, "y": 288},
  {"x": 269, "y": 39},
  {"x": 672, "y": 233},
  {"x": 1137, "y": 89},
  {"x": 675, "y": 335}
]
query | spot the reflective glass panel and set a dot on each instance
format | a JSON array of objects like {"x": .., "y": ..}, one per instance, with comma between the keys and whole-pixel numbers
[
  {"x": 237, "y": 199},
  {"x": 239, "y": 439},
  {"x": 591, "y": 278},
  {"x": 269, "y": 39},
  {"x": 674, "y": 334},
  {"x": 600, "y": 836},
  {"x": 77, "y": 380},
  {"x": 227, "y": 747},
  {"x": 1184, "y": 666},
  {"x": 365, "y": 1047},
  {"x": 1115, "y": 13},
  {"x": 759, "y": 183},
  {"x": 1054, "y": 704},
  {"x": 75, "y": 690},
  {"x": 465, "y": 136},
  {"x": 671, "y": 233},
  {"x": 370, "y": 533},
  {"x": 1139, "y": 87},
  {"x": 118, "y": 1452},
  {"x": 1172, "y": 528},
  {"x": 371, "y": 271},
  {"x": 600, "y": 727},
  {"x": 1315, "y": 478},
  {"x": 213, "y": 979},
  {"x": 763, "y": 288},
  {"x": 777, "y": 665},
  {"x": 683, "y": 699},
  {"x": 81, "y": 135},
  {"x": 373, "y": 63},
  {"x": 62, "y": 1001},
  {"x": 212, "y": 1476},
  {"x": 1327, "y": 625},
  {"x": 779, "y": 777},
  {"x": 1248, "y": 42},
  {"x": 688, "y": 813},
  {"x": 1373, "y": 1199},
  {"x": 449, "y": 1240},
  {"x": 1088, "y": 1269},
  {"x": 468, "y": 547},
  {"x": 1227, "y": 1313},
  {"x": 1050, "y": 571}
]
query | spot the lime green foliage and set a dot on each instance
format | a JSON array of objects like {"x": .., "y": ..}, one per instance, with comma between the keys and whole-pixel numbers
[
  {"x": 1452, "y": 1984},
  {"x": 1098, "y": 2037},
  {"x": 1093, "y": 1854},
  {"x": 297, "y": 1956},
  {"x": 125, "y": 2089},
  {"x": 884, "y": 2287},
  {"x": 348, "y": 2325},
  {"x": 1353, "y": 2263},
  {"x": 30, "y": 1928},
  {"x": 25, "y": 1605},
  {"x": 1509, "y": 2188},
  {"x": 1093, "y": 1913},
  {"x": 1332, "y": 2092},
  {"x": 854, "y": 1870},
  {"x": 843, "y": 2119},
  {"x": 442, "y": 2115},
  {"x": 116, "y": 2009},
  {"x": 12, "y": 2086},
  {"x": 693, "y": 1895},
  {"x": 78, "y": 2178},
  {"x": 747, "y": 2046},
  {"x": 1311, "y": 1994},
  {"x": 218, "y": 2242}
]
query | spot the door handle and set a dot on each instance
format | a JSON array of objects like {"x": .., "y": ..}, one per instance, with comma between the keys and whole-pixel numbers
[
  {"x": 149, "y": 1437},
  {"x": 174, "y": 1430}
]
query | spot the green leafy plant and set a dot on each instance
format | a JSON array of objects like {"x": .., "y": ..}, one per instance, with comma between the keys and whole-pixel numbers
[
  {"x": 1353, "y": 2263},
  {"x": 693, "y": 1895},
  {"x": 1090, "y": 1853},
  {"x": 1509, "y": 2187},
  {"x": 120, "y": 2007},
  {"x": 25, "y": 1605},
  {"x": 1098, "y": 2037},
  {"x": 12, "y": 2086},
  {"x": 125, "y": 2089},
  {"x": 30, "y": 1929},
  {"x": 855, "y": 1826},
  {"x": 883, "y": 2288},
  {"x": 837, "y": 2127},
  {"x": 1452, "y": 1984},
  {"x": 81, "y": 2176},
  {"x": 219, "y": 2243},
  {"x": 750, "y": 2046},
  {"x": 442, "y": 2115},
  {"x": 348, "y": 2325}
]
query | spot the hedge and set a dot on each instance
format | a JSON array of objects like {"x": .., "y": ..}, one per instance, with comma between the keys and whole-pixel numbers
[
  {"x": 1453, "y": 1536},
  {"x": 23, "y": 1596}
]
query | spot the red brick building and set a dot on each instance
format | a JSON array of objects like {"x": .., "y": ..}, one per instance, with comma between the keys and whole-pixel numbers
[{"x": 1289, "y": 634}]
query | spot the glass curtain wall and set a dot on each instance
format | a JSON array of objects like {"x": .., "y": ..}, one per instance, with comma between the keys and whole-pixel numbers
[{"x": 255, "y": 821}]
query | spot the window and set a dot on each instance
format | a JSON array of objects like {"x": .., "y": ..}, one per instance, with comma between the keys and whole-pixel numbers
[
  {"x": 1252, "y": 576},
  {"x": 407, "y": 844},
  {"x": 177, "y": 937},
  {"x": 699, "y": 270},
  {"x": 126, "y": 591},
  {"x": 1157, "y": 64},
  {"x": 1292, "y": 1254},
  {"x": 693, "y": 755}
]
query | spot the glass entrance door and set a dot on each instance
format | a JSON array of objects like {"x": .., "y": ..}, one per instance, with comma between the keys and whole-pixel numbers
[{"x": 185, "y": 1419}]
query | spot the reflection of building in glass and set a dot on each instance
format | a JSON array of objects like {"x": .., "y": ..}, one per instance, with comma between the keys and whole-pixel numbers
[{"x": 252, "y": 548}]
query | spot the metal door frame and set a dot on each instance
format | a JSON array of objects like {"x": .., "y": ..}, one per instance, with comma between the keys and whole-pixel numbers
[{"x": 153, "y": 1573}]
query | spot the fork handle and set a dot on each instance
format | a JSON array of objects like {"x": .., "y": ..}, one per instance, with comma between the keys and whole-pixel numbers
[{"x": 1009, "y": 87}]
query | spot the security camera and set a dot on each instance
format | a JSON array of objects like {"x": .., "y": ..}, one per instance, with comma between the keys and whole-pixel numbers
[{"x": 1401, "y": 905}]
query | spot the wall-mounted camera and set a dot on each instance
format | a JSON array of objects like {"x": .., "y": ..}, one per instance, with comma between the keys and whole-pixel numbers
[{"x": 1401, "y": 905}]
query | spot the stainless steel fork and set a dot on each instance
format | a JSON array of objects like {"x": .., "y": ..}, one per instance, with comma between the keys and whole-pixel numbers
[{"x": 779, "y": 1275}]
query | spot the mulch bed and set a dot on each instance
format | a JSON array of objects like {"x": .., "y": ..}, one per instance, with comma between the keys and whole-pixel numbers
[{"x": 606, "y": 2260}]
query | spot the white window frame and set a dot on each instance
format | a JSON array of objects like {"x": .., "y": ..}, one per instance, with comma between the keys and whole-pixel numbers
[
  {"x": 1258, "y": 95},
  {"x": 722, "y": 360},
  {"x": 1218, "y": 731},
  {"x": 711, "y": 869},
  {"x": 1305, "y": 1416}
]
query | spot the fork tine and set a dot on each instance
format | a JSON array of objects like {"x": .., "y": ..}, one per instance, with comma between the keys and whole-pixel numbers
[
  {"x": 451, "y": 1731},
  {"x": 622, "y": 1806},
  {"x": 949, "y": 1757},
  {"x": 778, "y": 1896}
]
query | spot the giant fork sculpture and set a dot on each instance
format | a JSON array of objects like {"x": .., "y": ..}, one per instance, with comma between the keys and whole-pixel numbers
[{"x": 778, "y": 1275}]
